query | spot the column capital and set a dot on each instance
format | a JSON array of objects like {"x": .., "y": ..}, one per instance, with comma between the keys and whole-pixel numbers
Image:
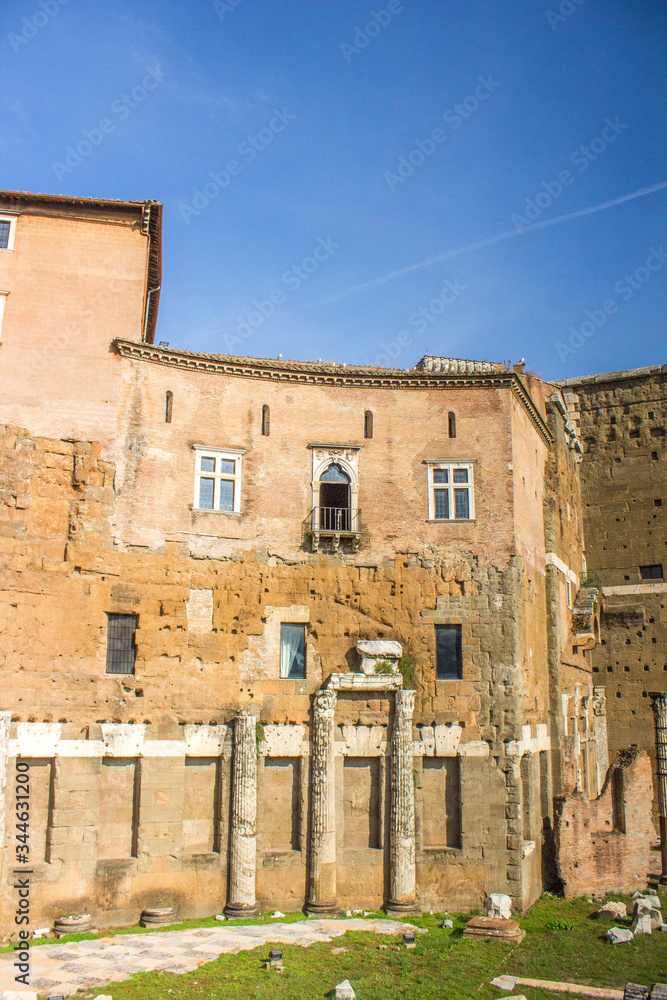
[
  {"x": 324, "y": 702},
  {"x": 659, "y": 701},
  {"x": 405, "y": 703}
]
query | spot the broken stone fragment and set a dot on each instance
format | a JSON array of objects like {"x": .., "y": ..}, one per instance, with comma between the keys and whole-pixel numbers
[
  {"x": 447, "y": 923},
  {"x": 634, "y": 991},
  {"x": 642, "y": 923},
  {"x": 499, "y": 905},
  {"x": 613, "y": 911},
  {"x": 620, "y": 935},
  {"x": 505, "y": 982},
  {"x": 344, "y": 991}
]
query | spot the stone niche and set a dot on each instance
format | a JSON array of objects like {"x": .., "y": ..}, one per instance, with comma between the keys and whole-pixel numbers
[{"x": 375, "y": 651}]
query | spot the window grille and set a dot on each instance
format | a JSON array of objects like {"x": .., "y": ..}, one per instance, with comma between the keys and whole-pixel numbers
[
  {"x": 5, "y": 229},
  {"x": 121, "y": 646}
]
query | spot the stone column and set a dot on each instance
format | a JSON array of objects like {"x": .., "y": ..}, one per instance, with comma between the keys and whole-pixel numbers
[
  {"x": 322, "y": 881},
  {"x": 600, "y": 730},
  {"x": 402, "y": 879},
  {"x": 243, "y": 826},
  {"x": 660, "y": 710}
]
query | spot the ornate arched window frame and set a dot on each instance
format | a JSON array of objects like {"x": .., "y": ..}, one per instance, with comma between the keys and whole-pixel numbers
[{"x": 347, "y": 457}]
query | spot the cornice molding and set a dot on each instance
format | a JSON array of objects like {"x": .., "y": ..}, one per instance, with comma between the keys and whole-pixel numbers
[{"x": 308, "y": 373}]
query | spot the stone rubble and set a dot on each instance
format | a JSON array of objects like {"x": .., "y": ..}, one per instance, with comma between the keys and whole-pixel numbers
[
  {"x": 613, "y": 911},
  {"x": 620, "y": 935}
]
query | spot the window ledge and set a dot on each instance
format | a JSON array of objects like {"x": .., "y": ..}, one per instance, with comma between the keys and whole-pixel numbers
[
  {"x": 451, "y": 520},
  {"x": 207, "y": 510}
]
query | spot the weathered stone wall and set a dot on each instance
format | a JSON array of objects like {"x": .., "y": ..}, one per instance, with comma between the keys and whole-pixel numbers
[
  {"x": 604, "y": 845},
  {"x": 207, "y": 642},
  {"x": 622, "y": 421}
]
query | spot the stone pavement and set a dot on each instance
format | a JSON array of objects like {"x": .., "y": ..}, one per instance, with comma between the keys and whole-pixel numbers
[{"x": 79, "y": 965}]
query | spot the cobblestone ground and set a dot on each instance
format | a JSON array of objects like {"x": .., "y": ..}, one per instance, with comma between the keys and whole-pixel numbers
[{"x": 66, "y": 968}]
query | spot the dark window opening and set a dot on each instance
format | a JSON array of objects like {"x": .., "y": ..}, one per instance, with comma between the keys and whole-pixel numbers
[
  {"x": 292, "y": 650},
  {"x": 368, "y": 424},
  {"x": 5, "y": 228},
  {"x": 121, "y": 646},
  {"x": 651, "y": 572},
  {"x": 451, "y": 424},
  {"x": 335, "y": 514},
  {"x": 266, "y": 421},
  {"x": 168, "y": 407},
  {"x": 448, "y": 652},
  {"x": 617, "y": 800}
]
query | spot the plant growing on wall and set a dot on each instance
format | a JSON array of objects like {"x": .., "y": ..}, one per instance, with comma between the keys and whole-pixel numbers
[
  {"x": 406, "y": 669},
  {"x": 259, "y": 734}
]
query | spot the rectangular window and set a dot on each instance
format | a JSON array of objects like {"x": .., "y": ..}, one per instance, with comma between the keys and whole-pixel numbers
[
  {"x": 448, "y": 652},
  {"x": 651, "y": 572},
  {"x": 450, "y": 491},
  {"x": 7, "y": 230},
  {"x": 292, "y": 650},
  {"x": 121, "y": 646},
  {"x": 217, "y": 479},
  {"x": 3, "y": 299}
]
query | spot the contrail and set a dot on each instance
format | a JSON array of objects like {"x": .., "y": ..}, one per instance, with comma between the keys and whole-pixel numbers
[{"x": 507, "y": 235}]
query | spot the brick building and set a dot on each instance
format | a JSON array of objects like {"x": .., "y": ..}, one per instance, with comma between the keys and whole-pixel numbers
[{"x": 277, "y": 633}]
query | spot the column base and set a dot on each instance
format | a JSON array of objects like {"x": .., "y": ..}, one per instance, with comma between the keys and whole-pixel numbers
[
  {"x": 403, "y": 909},
  {"x": 323, "y": 910},
  {"x": 236, "y": 911}
]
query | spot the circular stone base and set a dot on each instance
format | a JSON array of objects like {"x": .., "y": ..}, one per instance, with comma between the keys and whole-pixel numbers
[
  {"x": 72, "y": 925},
  {"x": 237, "y": 911},
  {"x": 403, "y": 909},
  {"x": 322, "y": 910},
  {"x": 158, "y": 916}
]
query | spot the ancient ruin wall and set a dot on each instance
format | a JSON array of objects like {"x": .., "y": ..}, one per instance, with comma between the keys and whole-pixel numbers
[{"x": 624, "y": 473}]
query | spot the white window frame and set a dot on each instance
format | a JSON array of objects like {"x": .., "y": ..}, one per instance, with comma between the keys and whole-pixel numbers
[
  {"x": 234, "y": 455},
  {"x": 3, "y": 300},
  {"x": 450, "y": 486},
  {"x": 11, "y": 218}
]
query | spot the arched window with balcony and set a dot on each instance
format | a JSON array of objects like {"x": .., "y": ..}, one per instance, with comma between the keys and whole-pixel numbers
[{"x": 334, "y": 500}]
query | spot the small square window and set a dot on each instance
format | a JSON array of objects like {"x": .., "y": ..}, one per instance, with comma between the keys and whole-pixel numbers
[
  {"x": 448, "y": 652},
  {"x": 292, "y": 650},
  {"x": 440, "y": 475},
  {"x": 121, "y": 646}
]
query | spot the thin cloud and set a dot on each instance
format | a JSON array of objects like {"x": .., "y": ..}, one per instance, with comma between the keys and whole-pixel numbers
[{"x": 489, "y": 241}]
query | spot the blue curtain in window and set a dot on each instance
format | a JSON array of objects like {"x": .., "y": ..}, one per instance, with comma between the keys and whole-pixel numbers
[{"x": 292, "y": 651}]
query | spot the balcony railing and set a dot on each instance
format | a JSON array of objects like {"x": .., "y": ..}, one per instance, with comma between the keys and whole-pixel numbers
[{"x": 333, "y": 522}]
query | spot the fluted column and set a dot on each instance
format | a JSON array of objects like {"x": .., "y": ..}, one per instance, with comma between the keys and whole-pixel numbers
[
  {"x": 659, "y": 700},
  {"x": 243, "y": 826},
  {"x": 322, "y": 881},
  {"x": 402, "y": 878}
]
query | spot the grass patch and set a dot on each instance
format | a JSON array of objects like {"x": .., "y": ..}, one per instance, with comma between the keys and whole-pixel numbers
[{"x": 442, "y": 964}]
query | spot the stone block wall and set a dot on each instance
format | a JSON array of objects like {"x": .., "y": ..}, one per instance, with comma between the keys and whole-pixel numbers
[{"x": 604, "y": 844}]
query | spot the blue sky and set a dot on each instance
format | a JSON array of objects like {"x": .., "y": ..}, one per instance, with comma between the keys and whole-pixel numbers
[{"x": 309, "y": 154}]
